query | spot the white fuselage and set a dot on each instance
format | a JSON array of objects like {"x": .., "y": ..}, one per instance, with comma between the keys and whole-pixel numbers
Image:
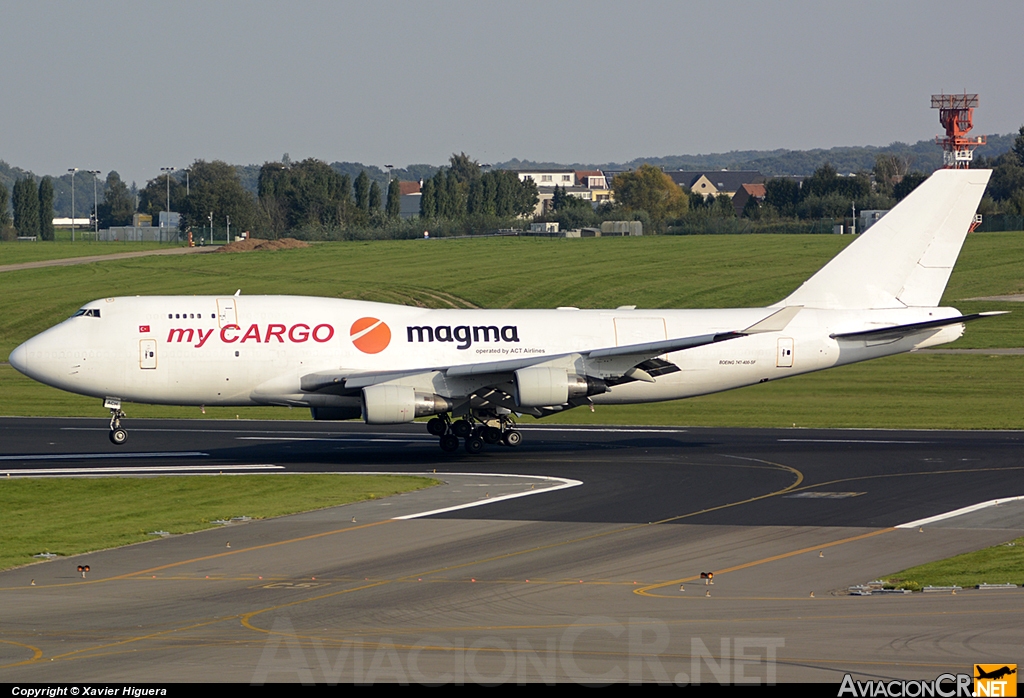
[{"x": 252, "y": 350}]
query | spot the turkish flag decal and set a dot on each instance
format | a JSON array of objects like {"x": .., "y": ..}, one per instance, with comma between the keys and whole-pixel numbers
[{"x": 143, "y": 328}]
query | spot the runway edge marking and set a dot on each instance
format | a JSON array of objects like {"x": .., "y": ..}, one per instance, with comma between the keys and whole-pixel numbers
[
  {"x": 960, "y": 512},
  {"x": 565, "y": 483}
]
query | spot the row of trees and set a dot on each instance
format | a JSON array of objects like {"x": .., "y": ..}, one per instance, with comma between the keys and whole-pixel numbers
[
  {"x": 463, "y": 189},
  {"x": 33, "y": 209}
]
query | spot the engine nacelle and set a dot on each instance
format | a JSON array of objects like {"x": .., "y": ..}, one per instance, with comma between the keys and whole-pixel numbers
[
  {"x": 540, "y": 386},
  {"x": 396, "y": 404}
]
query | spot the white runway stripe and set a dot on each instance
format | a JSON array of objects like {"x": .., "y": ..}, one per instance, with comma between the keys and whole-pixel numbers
[
  {"x": 563, "y": 483},
  {"x": 960, "y": 512},
  {"x": 86, "y": 456},
  {"x": 137, "y": 471}
]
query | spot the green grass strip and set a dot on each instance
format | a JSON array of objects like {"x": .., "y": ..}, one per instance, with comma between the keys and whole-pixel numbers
[
  {"x": 20, "y": 252},
  {"x": 999, "y": 564},
  {"x": 67, "y": 516}
]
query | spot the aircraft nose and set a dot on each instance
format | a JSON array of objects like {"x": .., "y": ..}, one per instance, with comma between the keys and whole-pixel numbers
[{"x": 19, "y": 358}]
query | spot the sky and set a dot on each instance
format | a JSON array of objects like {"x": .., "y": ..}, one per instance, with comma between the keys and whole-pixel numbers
[{"x": 136, "y": 86}]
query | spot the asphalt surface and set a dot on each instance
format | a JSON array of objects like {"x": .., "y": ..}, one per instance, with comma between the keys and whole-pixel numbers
[{"x": 596, "y": 580}]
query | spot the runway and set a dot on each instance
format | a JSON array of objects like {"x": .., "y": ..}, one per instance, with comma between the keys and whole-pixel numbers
[{"x": 597, "y": 580}]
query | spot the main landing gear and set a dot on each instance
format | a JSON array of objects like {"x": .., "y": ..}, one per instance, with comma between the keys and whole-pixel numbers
[
  {"x": 117, "y": 435},
  {"x": 475, "y": 431}
]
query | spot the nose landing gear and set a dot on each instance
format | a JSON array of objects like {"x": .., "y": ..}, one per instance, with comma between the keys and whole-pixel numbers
[{"x": 117, "y": 435}]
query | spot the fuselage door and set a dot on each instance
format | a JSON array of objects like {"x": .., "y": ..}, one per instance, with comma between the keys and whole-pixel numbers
[
  {"x": 147, "y": 353},
  {"x": 227, "y": 313},
  {"x": 784, "y": 358}
]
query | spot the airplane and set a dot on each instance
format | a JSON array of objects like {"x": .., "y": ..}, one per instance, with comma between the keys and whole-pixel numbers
[{"x": 474, "y": 372}]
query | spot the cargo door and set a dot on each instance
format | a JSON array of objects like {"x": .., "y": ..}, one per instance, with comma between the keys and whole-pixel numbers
[
  {"x": 147, "y": 353},
  {"x": 784, "y": 358},
  {"x": 637, "y": 330}
]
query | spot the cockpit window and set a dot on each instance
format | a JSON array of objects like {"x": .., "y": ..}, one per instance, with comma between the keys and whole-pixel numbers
[{"x": 87, "y": 312}]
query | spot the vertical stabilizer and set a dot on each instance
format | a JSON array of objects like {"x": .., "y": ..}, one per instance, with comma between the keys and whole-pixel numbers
[{"x": 906, "y": 257}]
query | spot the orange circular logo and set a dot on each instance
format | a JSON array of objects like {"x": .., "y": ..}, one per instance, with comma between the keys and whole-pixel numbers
[{"x": 370, "y": 335}]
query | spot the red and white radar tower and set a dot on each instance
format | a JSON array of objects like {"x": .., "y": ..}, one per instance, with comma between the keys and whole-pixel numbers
[{"x": 956, "y": 114}]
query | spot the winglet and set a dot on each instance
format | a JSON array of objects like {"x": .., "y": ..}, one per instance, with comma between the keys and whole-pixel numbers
[{"x": 776, "y": 322}]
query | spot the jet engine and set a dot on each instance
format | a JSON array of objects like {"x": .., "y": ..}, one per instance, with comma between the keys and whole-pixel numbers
[
  {"x": 540, "y": 386},
  {"x": 395, "y": 404}
]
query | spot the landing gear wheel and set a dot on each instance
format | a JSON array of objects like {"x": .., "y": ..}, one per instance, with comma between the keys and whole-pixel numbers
[
  {"x": 437, "y": 426},
  {"x": 512, "y": 438},
  {"x": 118, "y": 436},
  {"x": 474, "y": 445},
  {"x": 462, "y": 428},
  {"x": 491, "y": 435},
  {"x": 449, "y": 443}
]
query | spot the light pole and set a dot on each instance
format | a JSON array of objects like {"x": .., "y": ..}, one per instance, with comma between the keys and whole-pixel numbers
[
  {"x": 188, "y": 191},
  {"x": 72, "y": 170},
  {"x": 95, "y": 206},
  {"x": 227, "y": 235},
  {"x": 210, "y": 217},
  {"x": 167, "y": 173}
]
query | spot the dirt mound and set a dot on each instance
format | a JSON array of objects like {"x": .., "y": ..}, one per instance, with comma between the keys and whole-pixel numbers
[{"x": 254, "y": 244}]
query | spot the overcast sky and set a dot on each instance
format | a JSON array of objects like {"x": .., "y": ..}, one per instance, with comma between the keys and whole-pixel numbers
[{"x": 136, "y": 86}]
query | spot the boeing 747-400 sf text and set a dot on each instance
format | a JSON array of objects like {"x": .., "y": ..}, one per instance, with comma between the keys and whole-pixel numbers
[{"x": 474, "y": 370}]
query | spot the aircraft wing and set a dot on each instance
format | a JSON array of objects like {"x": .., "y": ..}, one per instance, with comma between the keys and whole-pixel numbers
[
  {"x": 897, "y": 331},
  {"x": 616, "y": 364}
]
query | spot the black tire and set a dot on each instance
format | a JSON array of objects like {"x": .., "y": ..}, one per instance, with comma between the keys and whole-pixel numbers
[
  {"x": 512, "y": 438},
  {"x": 437, "y": 427},
  {"x": 474, "y": 445},
  {"x": 491, "y": 435},
  {"x": 462, "y": 428},
  {"x": 118, "y": 436},
  {"x": 449, "y": 443}
]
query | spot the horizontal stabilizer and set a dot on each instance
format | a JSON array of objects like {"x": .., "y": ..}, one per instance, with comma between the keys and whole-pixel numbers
[
  {"x": 897, "y": 331},
  {"x": 776, "y": 322}
]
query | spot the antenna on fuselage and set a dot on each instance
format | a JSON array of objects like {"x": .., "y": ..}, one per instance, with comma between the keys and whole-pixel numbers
[{"x": 238, "y": 292}]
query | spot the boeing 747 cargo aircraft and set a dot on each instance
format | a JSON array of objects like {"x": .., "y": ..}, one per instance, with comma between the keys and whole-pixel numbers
[{"x": 474, "y": 371}]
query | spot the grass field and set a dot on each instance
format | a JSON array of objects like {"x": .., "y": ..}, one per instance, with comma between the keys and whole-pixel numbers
[
  {"x": 929, "y": 391},
  {"x": 18, "y": 252},
  {"x": 67, "y": 516},
  {"x": 996, "y": 565}
]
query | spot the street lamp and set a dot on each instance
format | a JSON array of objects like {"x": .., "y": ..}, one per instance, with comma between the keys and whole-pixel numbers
[
  {"x": 95, "y": 206},
  {"x": 168, "y": 171},
  {"x": 188, "y": 191},
  {"x": 227, "y": 235},
  {"x": 72, "y": 170},
  {"x": 210, "y": 217}
]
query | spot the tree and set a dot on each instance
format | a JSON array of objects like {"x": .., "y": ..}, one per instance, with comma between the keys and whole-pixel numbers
[
  {"x": 908, "y": 184},
  {"x": 153, "y": 197},
  {"x": 394, "y": 205},
  {"x": 889, "y": 170},
  {"x": 783, "y": 195},
  {"x": 362, "y": 187},
  {"x": 310, "y": 193},
  {"x": 649, "y": 189},
  {"x": 5, "y": 216},
  {"x": 46, "y": 209},
  {"x": 1018, "y": 146},
  {"x": 217, "y": 188},
  {"x": 26, "y": 207},
  {"x": 118, "y": 203},
  {"x": 375, "y": 197},
  {"x": 428, "y": 202},
  {"x": 464, "y": 169}
]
